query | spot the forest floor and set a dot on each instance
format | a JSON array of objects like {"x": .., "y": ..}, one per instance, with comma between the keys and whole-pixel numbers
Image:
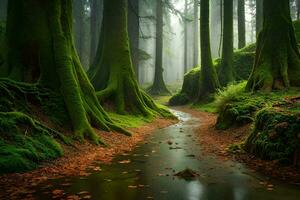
[
  {"x": 78, "y": 159},
  {"x": 83, "y": 159},
  {"x": 218, "y": 142}
]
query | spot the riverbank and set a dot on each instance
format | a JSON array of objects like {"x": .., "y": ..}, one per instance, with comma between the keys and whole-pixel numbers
[
  {"x": 77, "y": 160},
  {"x": 221, "y": 143}
]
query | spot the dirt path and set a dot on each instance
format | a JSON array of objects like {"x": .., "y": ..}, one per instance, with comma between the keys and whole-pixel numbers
[
  {"x": 217, "y": 142},
  {"x": 77, "y": 159}
]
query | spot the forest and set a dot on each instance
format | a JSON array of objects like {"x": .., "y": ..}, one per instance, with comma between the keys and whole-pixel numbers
[{"x": 150, "y": 99}]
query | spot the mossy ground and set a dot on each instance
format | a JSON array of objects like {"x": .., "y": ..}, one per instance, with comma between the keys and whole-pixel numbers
[
  {"x": 34, "y": 123},
  {"x": 276, "y": 118}
]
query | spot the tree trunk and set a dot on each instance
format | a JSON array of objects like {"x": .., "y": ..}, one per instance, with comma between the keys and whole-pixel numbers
[
  {"x": 159, "y": 86},
  {"x": 196, "y": 33},
  {"x": 298, "y": 8},
  {"x": 241, "y": 24},
  {"x": 133, "y": 31},
  {"x": 3, "y": 9},
  {"x": 185, "y": 59},
  {"x": 79, "y": 27},
  {"x": 259, "y": 16},
  {"x": 96, "y": 19},
  {"x": 208, "y": 78},
  {"x": 113, "y": 75},
  {"x": 41, "y": 50},
  {"x": 277, "y": 61},
  {"x": 226, "y": 72}
]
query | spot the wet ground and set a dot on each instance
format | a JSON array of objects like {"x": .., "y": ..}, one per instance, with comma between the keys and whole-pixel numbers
[{"x": 148, "y": 173}]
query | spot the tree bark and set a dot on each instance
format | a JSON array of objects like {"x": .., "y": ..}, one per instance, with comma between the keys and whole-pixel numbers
[
  {"x": 196, "y": 33},
  {"x": 259, "y": 15},
  {"x": 133, "y": 31},
  {"x": 40, "y": 50},
  {"x": 277, "y": 61},
  {"x": 226, "y": 72},
  {"x": 208, "y": 77},
  {"x": 241, "y": 24},
  {"x": 159, "y": 86},
  {"x": 112, "y": 75}
]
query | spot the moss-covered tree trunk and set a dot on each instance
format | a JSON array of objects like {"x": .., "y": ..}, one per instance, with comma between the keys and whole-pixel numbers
[
  {"x": 277, "y": 61},
  {"x": 40, "y": 49},
  {"x": 112, "y": 74},
  {"x": 241, "y": 24},
  {"x": 208, "y": 78},
  {"x": 226, "y": 72},
  {"x": 159, "y": 86}
]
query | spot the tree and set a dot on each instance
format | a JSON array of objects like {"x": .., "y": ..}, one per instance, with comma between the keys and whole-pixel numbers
[
  {"x": 208, "y": 78},
  {"x": 185, "y": 59},
  {"x": 241, "y": 24},
  {"x": 79, "y": 16},
  {"x": 298, "y": 8},
  {"x": 3, "y": 8},
  {"x": 277, "y": 61},
  {"x": 196, "y": 33},
  {"x": 226, "y": 72},
  {"x": 159, "y": 86},
  {"x": 133, "y": 31},
  {"x": 259, "y": 15},
  {"x": 112, "y": 75},
  {"x": 96, "y": 19},
  {"x": 40, "y": 50}
]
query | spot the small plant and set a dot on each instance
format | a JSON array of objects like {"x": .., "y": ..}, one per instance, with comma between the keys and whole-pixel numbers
[{"x": 228, "y": 94}]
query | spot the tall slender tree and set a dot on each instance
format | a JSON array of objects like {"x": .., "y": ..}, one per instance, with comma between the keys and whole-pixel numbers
[
  {"x": 112, "y": 75},
  {"x": 133, "y": 31},
  {"x": 277, "y": 61},
  {"x": 95, "y": 26},
  {"x": 185, "y": 50},
  {"x": 208, "y": 78},
  {"x": 40, "y": 50},
  {"x": 259, "y": 15},
  {"x": 226, "y": 71},
  {"x": 3, "y": 8},
  {"x": 298, "y": 8},
  {"x": 241, "y": 24},
  {"x": 79, "y": 16},
  {"x": 159, "y": 86},
  {"x": 196, "y": 33}
]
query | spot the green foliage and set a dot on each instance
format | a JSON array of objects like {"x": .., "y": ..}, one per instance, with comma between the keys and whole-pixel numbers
[{"x": 228, "y": 94}]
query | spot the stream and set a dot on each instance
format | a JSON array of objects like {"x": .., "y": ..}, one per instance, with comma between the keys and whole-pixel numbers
[{"x": 148, "y": 173}]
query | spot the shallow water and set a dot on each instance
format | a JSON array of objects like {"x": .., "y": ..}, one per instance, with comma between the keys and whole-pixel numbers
[{"x": 149, "y": 175}]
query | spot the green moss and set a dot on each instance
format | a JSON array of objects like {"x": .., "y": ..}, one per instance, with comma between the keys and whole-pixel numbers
[
  {"x": 129, "y": 121},
  {"x": 275, "y": 135},
  {"x": 24, "y": 143}
]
